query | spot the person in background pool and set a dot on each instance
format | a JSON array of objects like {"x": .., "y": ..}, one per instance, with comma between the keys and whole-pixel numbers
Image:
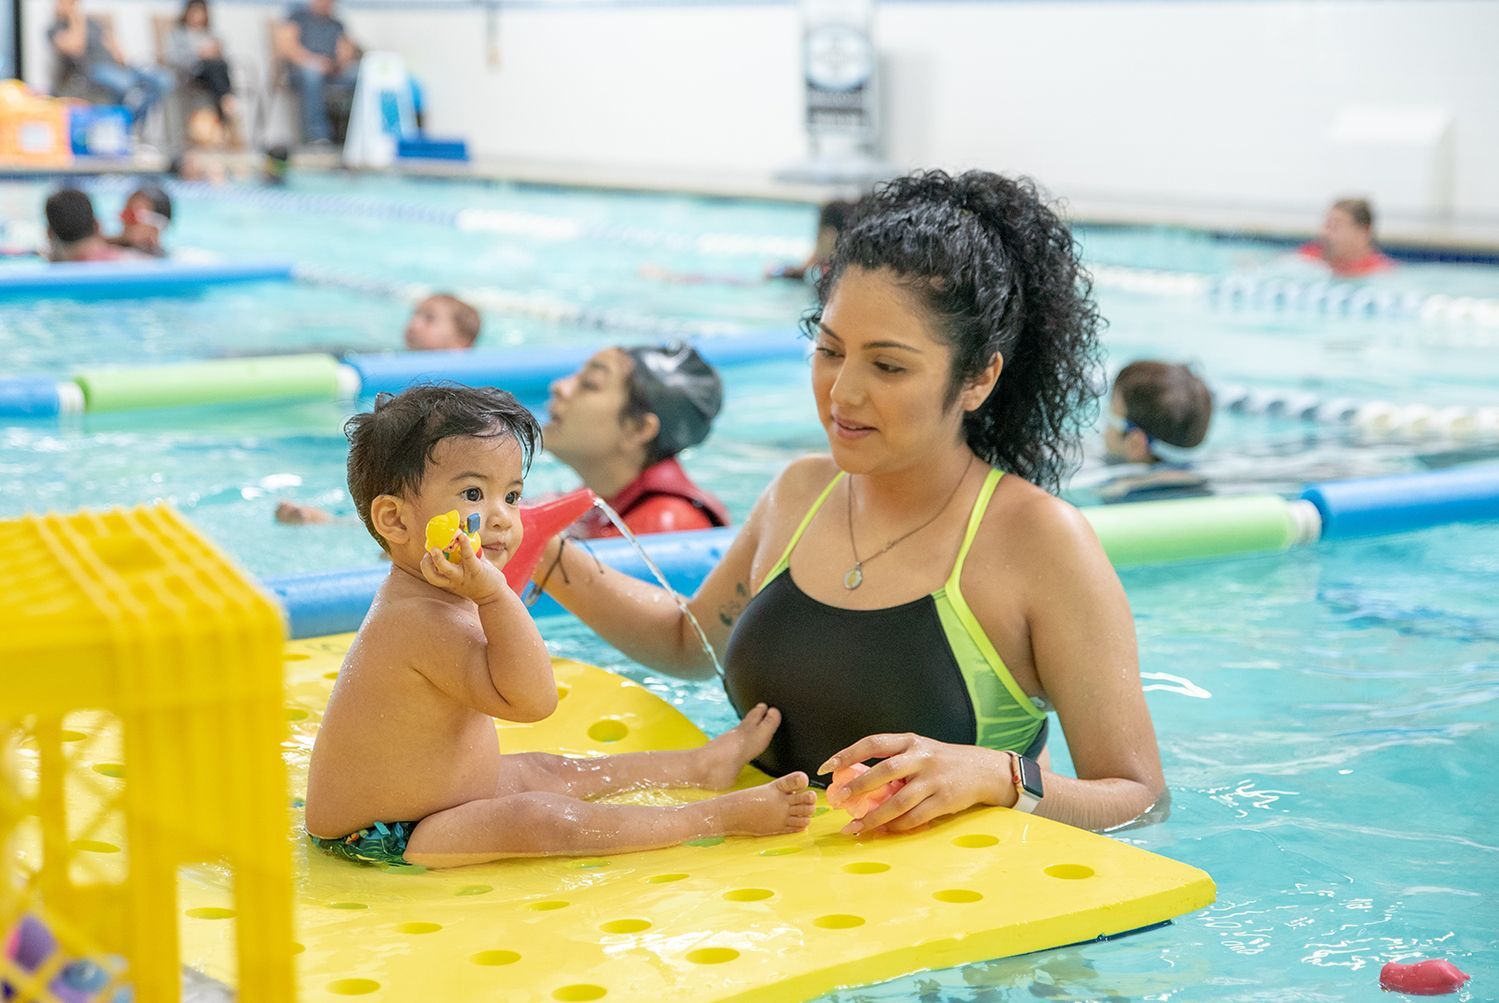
[
  {"x": 620, "y": 422},
  {"x": 1156, "y": 411},
  {"x": 73, "y": 230},
  {"x": 146, "y": 215},
  {"x": 831, "y": 221},
  {"x": 919, "y": 595},
  {"x": 442, "y": 322},
  {"x": 1346, "y": 243}
]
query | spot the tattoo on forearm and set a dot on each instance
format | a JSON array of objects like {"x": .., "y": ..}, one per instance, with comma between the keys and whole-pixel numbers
[{"x": 729, "y": 611}]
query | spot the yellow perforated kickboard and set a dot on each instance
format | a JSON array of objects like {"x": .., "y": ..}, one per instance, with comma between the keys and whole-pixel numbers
[{"x": 779, "y": 919}]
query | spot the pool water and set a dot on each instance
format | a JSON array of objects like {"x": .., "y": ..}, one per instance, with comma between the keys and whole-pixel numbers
[{"x": 1326, "y": 717}]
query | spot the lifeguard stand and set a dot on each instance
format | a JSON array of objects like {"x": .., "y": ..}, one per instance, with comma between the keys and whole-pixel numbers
[{"x": 140, "y": 726}]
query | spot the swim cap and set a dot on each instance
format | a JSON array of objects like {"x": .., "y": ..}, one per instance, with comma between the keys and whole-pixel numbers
[{"x": 680, "y": 389}]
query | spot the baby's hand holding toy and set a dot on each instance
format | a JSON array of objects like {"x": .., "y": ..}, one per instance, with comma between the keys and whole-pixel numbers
[{"x": 443, "y": 532}]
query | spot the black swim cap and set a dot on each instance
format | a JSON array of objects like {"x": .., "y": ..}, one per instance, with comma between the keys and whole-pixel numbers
[{"x": 680, "y": 389}]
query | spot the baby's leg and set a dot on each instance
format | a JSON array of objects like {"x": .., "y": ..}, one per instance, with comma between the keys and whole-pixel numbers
[
  {"x": 714, "y": 766},
  {"x": 544, "y": 824}
]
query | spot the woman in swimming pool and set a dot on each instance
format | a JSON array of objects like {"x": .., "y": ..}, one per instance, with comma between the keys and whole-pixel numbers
[{"x": 918, "y": 596}]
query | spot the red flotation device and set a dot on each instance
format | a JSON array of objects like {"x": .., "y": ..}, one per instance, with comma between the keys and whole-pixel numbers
[
  {"x": 1431, "y": 977},
  {"x": 539, "y": 523}
]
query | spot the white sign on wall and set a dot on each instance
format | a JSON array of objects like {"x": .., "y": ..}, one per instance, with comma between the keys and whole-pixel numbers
[{"x": 841, "y": 84}]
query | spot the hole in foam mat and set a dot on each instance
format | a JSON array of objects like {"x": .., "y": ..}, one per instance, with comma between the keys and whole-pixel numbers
[
  {"x": 838, "y": 921},
  {"x": 210, "y": 912},
  {"x": 418, "y": 927},
  {"x": 579, "y": 993},
  {"x": 474, "y": 890},
  {"x": 780, "y": 851},
  {"x": 296, "y": 714},
  {"x": 957, "y": 895},
  {"x": 296, "y": 656},
  {"x": 590, "y": 863},
  {"x": 297, "y": 948},
  {"x": 94, "y": 846},
  {"x": 866, "y": 867},
  {"x": 493, "y": 959},
  {"x": 665, "y": 879},
  {"x": 976, "y": 840},
  {"x": 116, "y": 770},
  {"x": 608, "y": 730},
  {"x": 69, "y": 735},
  {"x": 549, "y": 905},
  {"x": 748, "y": 894},
  {"x": 712, "y": 955},
  {"x": 353, "y": 987},
  {"x": 347, "y": 905},
  {"x": 330, "y": 675},
  {"x": 704, "y": 841},
  {"x": 1070, "y": 872},
  {"x": 626, "y": 925},
  {"x": 563, "y": 691}
]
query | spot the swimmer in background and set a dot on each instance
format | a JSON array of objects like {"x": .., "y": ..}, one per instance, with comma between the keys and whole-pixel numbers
[
  {"x": 73, "y": 230},
  {"x": 832, "y": 220},
  {"x": 407, "y": 768},
  {"x": 1346, "y": 241},
  {"x": 442, "y": 322},
  {"x": 144, "y": 218},
  {"x": 1156, "y": 411}
]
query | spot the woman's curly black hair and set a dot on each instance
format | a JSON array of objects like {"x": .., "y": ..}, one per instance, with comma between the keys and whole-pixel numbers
[{"x": 997, "y": 272}]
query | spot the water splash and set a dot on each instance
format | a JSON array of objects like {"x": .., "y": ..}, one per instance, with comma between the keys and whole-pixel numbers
[{"x": 619, "y": 524}]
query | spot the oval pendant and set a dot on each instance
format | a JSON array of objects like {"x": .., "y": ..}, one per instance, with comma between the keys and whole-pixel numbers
[{"x": 854, "y": 577}]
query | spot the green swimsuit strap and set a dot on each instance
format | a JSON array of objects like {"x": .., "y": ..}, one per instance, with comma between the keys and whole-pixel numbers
[
  {"x": 785, "y": 560},
  {"x": 975, "y": 517}
]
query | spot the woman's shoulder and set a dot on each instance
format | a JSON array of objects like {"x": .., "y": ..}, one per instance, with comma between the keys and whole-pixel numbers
[{"x": 1041, "y": 529}]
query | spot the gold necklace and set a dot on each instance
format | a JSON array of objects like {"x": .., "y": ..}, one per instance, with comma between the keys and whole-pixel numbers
[{"x": 854, "y": 576}]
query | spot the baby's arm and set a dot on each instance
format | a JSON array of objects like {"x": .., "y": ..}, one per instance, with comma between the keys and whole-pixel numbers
[{"x": 505, "y": 672}]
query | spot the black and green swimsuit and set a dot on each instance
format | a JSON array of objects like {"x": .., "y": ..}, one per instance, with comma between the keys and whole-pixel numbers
[{"x": 838, "y": 675}]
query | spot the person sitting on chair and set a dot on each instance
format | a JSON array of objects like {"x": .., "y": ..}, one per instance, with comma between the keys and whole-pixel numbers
[
  {"x": 322, "y": 56},
  {"x": 89, "y": 48},
  {"x": 193, "y": 49}
]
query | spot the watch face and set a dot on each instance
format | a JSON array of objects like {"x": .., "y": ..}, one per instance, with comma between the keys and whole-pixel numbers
[
  {"x": 839, "y": 57},
  {"x": 1030, "y": 776}
]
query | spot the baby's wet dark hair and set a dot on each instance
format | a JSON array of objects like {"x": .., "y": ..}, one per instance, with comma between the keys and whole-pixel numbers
[
  {"x": 391, "y": 444},
  {"x": 995, "y": 271}
]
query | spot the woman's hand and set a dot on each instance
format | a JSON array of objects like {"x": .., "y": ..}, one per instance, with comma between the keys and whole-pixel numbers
[{"x": 941, "y": 779}]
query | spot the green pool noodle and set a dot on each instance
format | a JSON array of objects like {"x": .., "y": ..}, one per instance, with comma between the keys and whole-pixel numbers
[
  {"x": 1193, "y": 528},
  {"x": 220, "y": 381}
]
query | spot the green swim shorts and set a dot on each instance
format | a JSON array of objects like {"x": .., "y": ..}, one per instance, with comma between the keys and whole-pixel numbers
[{"x": 381, "y": 843}]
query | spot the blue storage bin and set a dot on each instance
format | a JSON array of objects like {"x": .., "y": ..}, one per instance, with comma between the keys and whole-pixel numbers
[{"x": 99, "y": 130}]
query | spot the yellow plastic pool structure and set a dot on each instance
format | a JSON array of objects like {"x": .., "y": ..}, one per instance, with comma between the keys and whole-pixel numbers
[{"x": 779, "y": 918}]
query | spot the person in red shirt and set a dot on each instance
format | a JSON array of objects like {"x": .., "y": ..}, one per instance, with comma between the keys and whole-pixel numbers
[
  {"x": 1346, "y": 242},
  {"x": 620, "y": 422}
]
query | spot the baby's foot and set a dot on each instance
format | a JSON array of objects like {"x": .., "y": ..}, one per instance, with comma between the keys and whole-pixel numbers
[
  {"x": 783, "y": 805},
  {"x": 722, "y": 759}
]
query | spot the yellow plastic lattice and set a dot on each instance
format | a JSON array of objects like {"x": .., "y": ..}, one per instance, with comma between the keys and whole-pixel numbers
[
  {"x": 777, "y": 919},
  {"x": 140, "y": 717}
]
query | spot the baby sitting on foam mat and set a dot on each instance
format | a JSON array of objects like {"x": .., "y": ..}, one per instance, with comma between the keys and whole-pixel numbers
[{"x": 407, "y": 767}]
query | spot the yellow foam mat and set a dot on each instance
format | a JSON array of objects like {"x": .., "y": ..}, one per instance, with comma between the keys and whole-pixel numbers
[{"x": 780, "y": 918}]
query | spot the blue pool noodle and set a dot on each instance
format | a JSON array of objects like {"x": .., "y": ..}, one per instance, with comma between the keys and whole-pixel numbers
[
  {"x": 527, "y": 372},
  {"x": 82, "y": 280},
  {"x": 1379, "y": 505},
  {"x": 29, "y": 397},
  {"x": 335, "y": 602}
]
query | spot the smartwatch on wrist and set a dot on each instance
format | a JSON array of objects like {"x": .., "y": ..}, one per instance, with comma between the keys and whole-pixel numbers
[{"x": 1026, "y": 775}]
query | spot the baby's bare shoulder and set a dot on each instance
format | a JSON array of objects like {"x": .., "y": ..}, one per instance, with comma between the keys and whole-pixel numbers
[{"x": 410, "y": 628}]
